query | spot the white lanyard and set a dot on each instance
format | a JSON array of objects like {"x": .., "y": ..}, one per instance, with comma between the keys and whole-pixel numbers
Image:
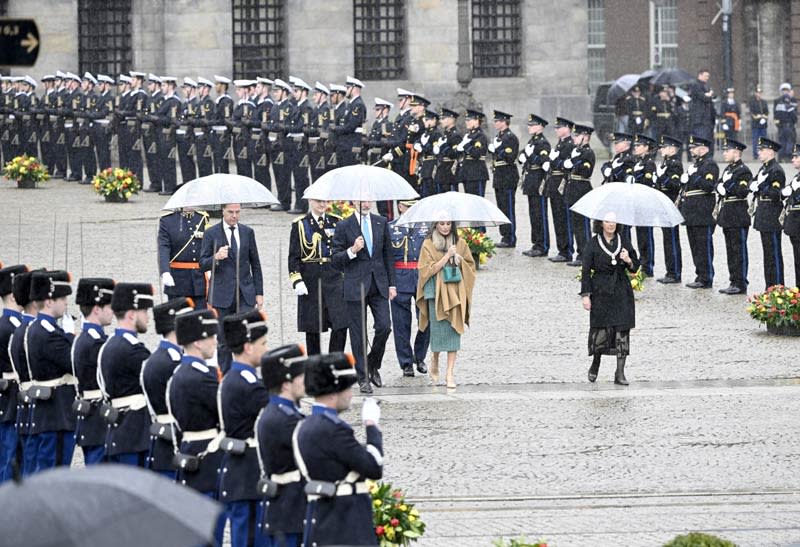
[{"x": 613, "y": 255}]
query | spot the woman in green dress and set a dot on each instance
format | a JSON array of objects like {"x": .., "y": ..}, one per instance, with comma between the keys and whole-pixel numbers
[{"x": 444, "y": 294}]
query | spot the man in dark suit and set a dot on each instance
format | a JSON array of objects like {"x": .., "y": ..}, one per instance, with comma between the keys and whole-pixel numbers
[
  {"x": 223, "y": 243},
  {"x": 362, "y": 249}
]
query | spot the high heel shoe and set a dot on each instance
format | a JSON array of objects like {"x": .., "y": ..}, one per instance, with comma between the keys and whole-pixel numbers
[
  {"x": 434, "y": 372},
  {"x": 594, "y": 368}
]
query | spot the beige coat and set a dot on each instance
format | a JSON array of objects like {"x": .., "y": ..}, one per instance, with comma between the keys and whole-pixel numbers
[{"x": 453, "y": 300}]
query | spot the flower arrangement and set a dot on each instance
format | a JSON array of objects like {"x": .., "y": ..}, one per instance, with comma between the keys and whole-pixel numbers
[
  {"x": 637, "y": 278},
  {"x": 341, "y": 209},
  {"x": 778, "y": 306},
  {"x": 396, "y": 521},
  {"x": 698, "y": 539},
  {"x": 480, "y": 245},
  {"x": 116, "y": 184},
  {"x": 521, "y": 542},
  {"x": 26, "y": 170}
]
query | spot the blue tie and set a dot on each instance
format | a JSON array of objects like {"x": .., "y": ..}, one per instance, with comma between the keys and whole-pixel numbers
[{"x": 365, "y": 231}]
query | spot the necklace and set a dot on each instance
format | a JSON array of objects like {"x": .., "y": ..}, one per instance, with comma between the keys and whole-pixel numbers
[{"x": 613, "y": 255}]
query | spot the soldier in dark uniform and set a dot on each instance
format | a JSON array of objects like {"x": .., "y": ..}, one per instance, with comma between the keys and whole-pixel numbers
[
  {"x": 315, "y": 280},
  {"x": 320, "y": 123},
  {"x": 759, "y": 119},
  {"x": 151, "y": 132},
  {"x": 6, "y": 103},
  {"x": 180, "y": 238},
  {"x": 472, "y": 171},
  {"x": 556, "y": 184},
  {"x": 280, "y": 144},
  {"x": 242, "y": 396},
  {"x": 135, "y": 111},
  {"x": 94, "y": 298},
  {"x": 766, "y": 187},
  {"x": 636, "y": 109},
  {"x": 581, "y": 166},
  {"x": 101, "y": 121},
  {"x": 165, "y": 121},
  {"x": 220, "y": 137},
  {"x": 299, "y": 127},
  {"x": 119, "y": 366},
  {"x": 240, "y": 128},
  {"x": 29, "y": 139},
  {"x": 668, "y": 180},
  {"x": 350, "y": 132},
  {"x": 731, "y": 115},
  {"x": 282, "y": 511},
  {"x": 426, "y": 159},
  {"x": 258, "y": 134},
  {"x": 402, "y": 156},
  {"x": 10, "y": 320},
  {"x": 184, "y": 134},
  {"x": 696, "y": 204},
  {"x": 124, "y": 132},
  {"x": 72, "y": 106},
  {"x": 192, "y": 400},
  {"x": 444, "y": 175},
  {"x": 683, "y": 124},
  {"x": 533, "y": 158},
  {"x": 644, "y": 172},
  {"x": 406, "y": 244},
  {"x": 57, "y": 139},
  {"x": 791, "y": 223},
  {"x": 48, "y": 347},
  {"x": 327, "y": 453},
  {"x": 784, "y": 112},
  {"x": 43, "y": 121},
  {"x": 205, "y": 117},
  {"x": 397, "y": 140},
  {"x": 732, "y": 214},
  {"x": 156, "y": 372},
  {"x": 621, "y": 164},
  {"x": 87, "y": 163},
  {"x": 338, "y": 108},
  {"x": 504, "y": 149},
  {"x": 661, "y": 114},
  {"x": 376, "y": 143}
]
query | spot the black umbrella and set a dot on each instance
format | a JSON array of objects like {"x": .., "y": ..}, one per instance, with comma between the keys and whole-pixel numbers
[
  {"x": 102, "y": 505},
  {"x": 646, "y": 76},
  {"x": 620, "y": 87},
  {"x": 671, "y": 76}
]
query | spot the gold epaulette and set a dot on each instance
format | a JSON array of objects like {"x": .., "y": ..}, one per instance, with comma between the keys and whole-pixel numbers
[
  {"x": 167, "y": 213},
  {"x": 298, "y": 219},
  {"x": 334, "y": 215}
]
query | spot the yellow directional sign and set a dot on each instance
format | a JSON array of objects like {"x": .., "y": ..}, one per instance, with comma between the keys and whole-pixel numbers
[{"x": 19, "y": 42}]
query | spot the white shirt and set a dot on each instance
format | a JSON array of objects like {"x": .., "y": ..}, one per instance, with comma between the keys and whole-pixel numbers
[
  {"x": 360, "y": 218},
  {"x": 236, "y": 234}
]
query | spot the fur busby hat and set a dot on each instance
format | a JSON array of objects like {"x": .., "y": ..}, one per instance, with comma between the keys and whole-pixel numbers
[
  {"x": 195, "y": 325},
  {"x": 54, "y": 284},
  {"x": 22, "y": 287},
  {"x": 132, "y": 296},
  {"x": 164, "y": 314},
  {"x": 282, "y": 364},
  {"x": 7, "y": 275},
  {"x": 94, "y": 291},
  {"x": 329, "y": 373},
  {"x": 244, "y": 327}
]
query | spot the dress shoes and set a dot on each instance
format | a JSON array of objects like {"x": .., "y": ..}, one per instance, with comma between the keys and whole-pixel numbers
[
  {"x": 73, "y": 178},
  {"x": 375, "y": 377},
  {"x": 364, "y": 387},
  {"x": 421, "y": 367},
  {"x": 698, "y": 285},
  {"x": 534, "y": 253},
  {"x": 151, "y": 189},
  {"x": 85, "y": 182},
  {"x": 668, "y": 280},
  {"x": 165, "y": 193},
  {"x": 295, "y": 211},
  {"x": 505, "y": 244},
  {"x": 408, "y": 371},
  {"x": 732, "y": 290},
  {"x": 278, "y": 207},
  {"x": 575, "y": 263},
  {"x": 558, "y": 258}
]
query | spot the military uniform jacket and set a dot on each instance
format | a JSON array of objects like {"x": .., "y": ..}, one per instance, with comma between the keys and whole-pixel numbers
[
  {"x": 156, "y": 372},
  {"x": 330, "y": 451},
  {"x": 242, "y": 395},
  {"x": 661, "y": 117},
  {"x": 472, "y": 163},
  {"x": 668, "y": 176},
  {"x": 9, "y": 321},
  {"x": 791, "y": 224},
  {"x": 558, "y": 172},
  {"x": 637, "y": 113},
  {"x": 785, "y": 112},
  {"x": 398, "y": 139},
  {"x": 19, "y": 362},
  {"x": 48, "y": 348},
  {"x": 119, "y": 365},
  {"x": 406, "y": 244},
  {"x": 180, "y": 241},
  {"x": 506, "y": 175},
  {"x": 206, "y": 113},
  {"x": 300, "y": 123},
  {"x": 348, "y": 134},
  {"x": 223, "y": 111},
  {"x": 168, "y": 112},
  {"x": 536, "y": 154},
  {"x": 279, "y": 116},
  {"x": 581, "y": 166},
  {"x": 274, "y": 428},
  {"x": 446, "y": 157},
  {"x": 427, "y": 159},
  {"x": 90, "y": 429},
  {"x": 376, "y": 141},
  {"x": 103, "y": 107},
  {"x": 735, "y": 182},
  {"x": 240, "y": 120},
  {"x": 644, "y": 171},
  {"x": 309, "y": 260},
  {"x": 759, "y": 112},
  {"x": 770, "y": 179},
  {"x": 698, "y": 196}
]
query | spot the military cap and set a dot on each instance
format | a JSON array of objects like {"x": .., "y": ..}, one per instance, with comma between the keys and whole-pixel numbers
[
  {"x": 169, "y": 80},
  {"x": 243, "y": 83},
  {"x": 729, "y": 90},
  {"x": 408, "y": 202},
  {"x": 132, "y": 296},
  {"x": 94, "y": 291},
  {"x": 265, "y": 81},
  {"x": 164, "y": 314},
  {"x": 404, "y": 92},
  {"x": 153, "y": 78},
  {"x": 580, "y": 129},
  {"x": 354, "y": 82},
  {"x": 419, "y": 100},
  {"x": 88, "y": 76},
  {"x": 124, "y": 78},
  {"x": 329, "y": 373},
  {"x": 474, "y": 115},
  {"x": 22, "y": 287},
  {"x": 447, "y": 113},
  {"x": 244, "y": 327},
  {"x": 636, "y": 88},
  {"x": 666, "y": 140},
  {"x": 731, "y": 144},
  {"x": 563, "y": 122},
  {"x": 282, "y": 364},
  {"x": 222, "y": 79},
  {"x": 533, "y": 119},
  {"x": 73, "y": 76},
  {"x": 7, "y": 275},
  {"x": 189, "y": 82},
  {"x": 501, "y": 116},
  {"x": 299, "y": 82},
  {"x": 319, "y": 86},
  {"x": 30, "y": 81},
  {"x": 53, "y": 284},
  {"x": 195, "y": 325},
  {"x": 204, "y": 81},
  {"x": 764, "y": 142},
  {"x": 785, "y": 86},
  {"x": 619, "y": 136},
  {"x": 137, "y": 74},
  {"x": 643, "y": 140},
  {"x": 338, "y": 88},
  {"x": 796, "y": 150},
  {"x": 382, "y": 103},
  {"x": 48, "y": 78},
  {"x": 105, "y": 78},
  {"x": 431, "y": 114},
  {"x": 60, "y": 75},
  {"x": 694, "y": 140},
  {"x": 281, "y": 84}
]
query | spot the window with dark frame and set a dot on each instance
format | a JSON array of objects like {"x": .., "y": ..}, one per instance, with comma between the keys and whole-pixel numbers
[
  {"x": 380, "y": 39},
  {"x": 3, "y": 8},
  {"x": 496, "y": 38},
  {"x": 259, "y": 28},
  {"x": 104, "y": 36}
]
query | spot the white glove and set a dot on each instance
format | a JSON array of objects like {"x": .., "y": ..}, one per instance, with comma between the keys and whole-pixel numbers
[
  {"x": 575, "y": 153},
  {"x": 692, "y": 169},
  {"x": 492, "y": 147},
  {"x": 684, "y": 178},
  {"x": 522, "y": 157},
  {"x": 630, "y": 179},
  {"x": 763, "y": 121},
  {"x": 546, "y": 166},
  {"x": 607, "y": 172},
  {"x": 418, "y": 147},
  {"x": 762, "y": 176},
  {"x": 727, "y": 176},
  {"x": 465, "y": 140},
  {"x": 460, "y": 147},
  {"x": 796, "y": 183},
  {"x": 638, "y": 120},
  {"x": 67, "y": 322},
  {"x": 497, "y": 143},
  {"x": 638, "y": 167},
  {"x": 724, "y": 126},
  {"x": 370, "y": 411},
  {"x": 166, "y": 279},
  {"x": 721, "y": 189},
  {"x": 424, "y": 138},
  {"x": 616, "y": 163},
  {"x": 300, "y": 289},
  {"x": 413, "y": 128},
  {"x": 529, "y": 150},
  {"x": 787, "y": 191},
  {"x": 387, "y": 156},
  {"x": 660, "y": 170},
  {"x": 553, "y": 154},
  {"x": 440, "y": 141},
  {"x": 436, "y": 149},
  {"x": 568, "y": 164},
  {"x": 754, "y": 186}
]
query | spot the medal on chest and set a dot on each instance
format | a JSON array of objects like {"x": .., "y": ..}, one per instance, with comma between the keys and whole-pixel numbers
[{"x": 613, "y": 254}]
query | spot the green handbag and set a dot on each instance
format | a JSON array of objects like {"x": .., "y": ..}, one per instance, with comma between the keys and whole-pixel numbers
[{"x": 451, "y": 273}]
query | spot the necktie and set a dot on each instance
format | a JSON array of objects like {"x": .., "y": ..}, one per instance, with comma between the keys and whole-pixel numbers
[
  {"x": 234, "y": 244},
  {"x": 365, "y": 231}
]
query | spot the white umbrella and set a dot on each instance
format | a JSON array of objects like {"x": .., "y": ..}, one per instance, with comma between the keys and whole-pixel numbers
[
  {"x": 631, "y": 204},
  {"x": 214, "y": 191},
  {"x": 464, "y": 209},
  {"x": 360, "y": 183}
]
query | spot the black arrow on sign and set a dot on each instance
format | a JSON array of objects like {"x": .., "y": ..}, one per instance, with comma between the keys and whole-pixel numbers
[{"x": 19, "y": 42}]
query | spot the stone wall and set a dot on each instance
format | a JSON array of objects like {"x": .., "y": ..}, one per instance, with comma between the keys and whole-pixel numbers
[{"x": 57, "y": 21}]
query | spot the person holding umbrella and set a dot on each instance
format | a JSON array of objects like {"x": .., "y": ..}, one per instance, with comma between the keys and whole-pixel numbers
[{"x": 607, "y": 295}]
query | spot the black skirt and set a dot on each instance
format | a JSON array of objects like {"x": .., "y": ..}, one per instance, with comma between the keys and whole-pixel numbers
[{"x": 609, "y": 341}]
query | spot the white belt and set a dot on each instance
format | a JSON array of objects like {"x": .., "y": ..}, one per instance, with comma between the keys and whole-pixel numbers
[
  {"x": 67, "y": 379},
  {"x": 349, "y": 488},
  {"x": 25, "y": 386},
  {"x": 255, "y": 130},
  {"x": 219, "y": 127},
  {"x": 286, "y": 478},
  {"x": 102, "y": 122},
  {"x": 10, "y": 376},
  {"x": 67, "y": 125},
  {"x": 198, "y": 133},
  {"x": 11, "y": 117},
  {"x": 697, "y": 193},
  {"x": 132, "y": 402},
  {"x": 359, "y": 130},
  {"x": 295, "y": 135},
  {"x": 180, "y": 132},
  {"x": 205, "y": 435},
  {"x": 92, "y": 394},
  {"x": 165, "y": 419},
  {"x": 53, "y": 118}
]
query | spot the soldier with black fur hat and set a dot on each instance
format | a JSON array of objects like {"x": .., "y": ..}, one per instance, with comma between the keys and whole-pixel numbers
[
  {"x": 242, "y": 396},
  {"x": 119, "y": 368},
  {"x": 156, "y": 372},
  {"x": 284, "y": 500},
  {"x": 48, "y": 347},
  {"x": 93, "y": 296},
  {"x": 333, "y": 462}
]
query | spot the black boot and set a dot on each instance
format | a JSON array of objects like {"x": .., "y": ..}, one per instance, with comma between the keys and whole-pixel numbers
[
  {"x": 619, "y": 376},
  {"x": 594, "y": 367}
]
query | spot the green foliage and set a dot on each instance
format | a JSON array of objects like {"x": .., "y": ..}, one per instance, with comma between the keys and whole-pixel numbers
[{"x": 698, "y": 539}]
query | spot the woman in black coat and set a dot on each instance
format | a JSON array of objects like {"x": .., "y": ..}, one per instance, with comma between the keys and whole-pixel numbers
[{"x": 608, "y": 296}]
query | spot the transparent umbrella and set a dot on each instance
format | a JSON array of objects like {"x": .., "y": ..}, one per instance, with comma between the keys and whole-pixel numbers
[
  {"x": 360, "y": 183},
  {"x": 463, "y": 209},
  {"x": 631, "y": 204},
  {"x": 620, "y": 87},
  {"x": 214, "y": 191}
]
